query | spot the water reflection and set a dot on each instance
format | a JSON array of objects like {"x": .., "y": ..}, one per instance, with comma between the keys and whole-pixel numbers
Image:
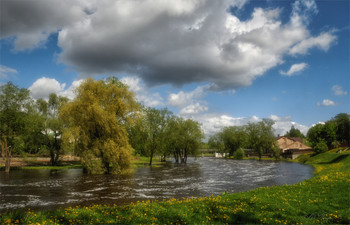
[{"x": 200, "y": 177}]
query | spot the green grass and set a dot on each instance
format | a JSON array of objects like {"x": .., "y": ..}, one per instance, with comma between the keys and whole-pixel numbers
[
  {"x": 142, "y": 161},
  {"x": 73, "y": 166},
  {"x": 323, "y": 199}
]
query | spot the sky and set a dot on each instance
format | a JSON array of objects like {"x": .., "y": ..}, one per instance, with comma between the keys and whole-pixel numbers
[{"x": 221, "y": 63}]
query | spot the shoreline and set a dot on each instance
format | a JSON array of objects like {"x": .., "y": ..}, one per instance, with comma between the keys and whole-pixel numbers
[{"x": 321, "y": 199}]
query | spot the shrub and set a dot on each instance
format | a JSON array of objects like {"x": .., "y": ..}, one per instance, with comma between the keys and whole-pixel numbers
[
  {"x": 239, "y": 154},
  {"x": 320, "y": 147}
]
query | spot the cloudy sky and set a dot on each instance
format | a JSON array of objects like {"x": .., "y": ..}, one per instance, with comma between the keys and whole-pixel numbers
[{"x": 221, "y": 63}]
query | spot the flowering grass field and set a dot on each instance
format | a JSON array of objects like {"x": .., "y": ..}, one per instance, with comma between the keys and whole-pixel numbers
[{"x": 323, "y": 199}]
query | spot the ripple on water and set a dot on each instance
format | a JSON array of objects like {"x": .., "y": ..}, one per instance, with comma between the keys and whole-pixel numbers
[{"x": 200, "y": 177}]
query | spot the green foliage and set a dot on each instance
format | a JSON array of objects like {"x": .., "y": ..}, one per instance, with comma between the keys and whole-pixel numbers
[
  {"x": 97, "y": 121},
  {"x": 184, "y": 138},
  {"x": 321, "y": 147},
  {"x": 323, "y": 199},
  {"x": 15, "y": 105},
  {"x": 342, "y": 122},
  {"x": 52, "y": 125},
  {"x": 294, "y": 132},
  {"x": 239, "y": 154},
  {"x": 216, "y": 141},
  {"x": 229, "y": 139},
  {"x": 334, "y": 132},
  {"x": 261, "y": 137}
]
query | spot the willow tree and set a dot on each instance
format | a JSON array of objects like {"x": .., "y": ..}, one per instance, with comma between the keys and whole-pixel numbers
[{"x": 97, "y": 119}]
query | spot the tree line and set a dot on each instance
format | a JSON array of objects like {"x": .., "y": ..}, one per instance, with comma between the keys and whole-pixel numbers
[
  {"x": 104, "y": 125},
  {"x": 260, "y": 137}
]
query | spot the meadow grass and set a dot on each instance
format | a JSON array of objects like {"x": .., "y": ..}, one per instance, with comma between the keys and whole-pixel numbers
[{"x": 323, "y": 199}]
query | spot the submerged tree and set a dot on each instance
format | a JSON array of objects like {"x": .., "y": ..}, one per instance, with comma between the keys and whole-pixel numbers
[
  {"x": 97, "y": 119},
  {"x": 229, "y": 139},
  {"x": 185, "y": 138}
]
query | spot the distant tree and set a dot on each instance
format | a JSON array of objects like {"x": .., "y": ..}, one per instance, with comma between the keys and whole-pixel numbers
[
  {"x": 239, "y": 154},
  {"x": 97, "y": 122},
  {"x": 216, "y": 141},
  {"x": 138, "y": 135},
  {"x": 229, "y": 139},
  {"x": 320, "y": 147},
  {"x": 185, "y": 138},
  {"x": 342, "y": 121},
  {"x": 322, "y": 133},
  {"x": 315, "y": 134},
  {"x": 235, "y": 137},
  {"x": 155, "y": 129},
  {"x": 52, "y": 125},
  {"x": 32, "y": 135},
  {"x": 14, "y": 104},
  {"x": 261, "y": 137},
  {"x": 294, "y": 132}
]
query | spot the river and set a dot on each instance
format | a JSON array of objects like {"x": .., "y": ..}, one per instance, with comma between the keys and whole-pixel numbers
[{"x": 50, "y": 189}]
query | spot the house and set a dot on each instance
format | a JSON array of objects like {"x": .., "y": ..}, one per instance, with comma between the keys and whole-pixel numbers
[{"x": 292, "y": 147}]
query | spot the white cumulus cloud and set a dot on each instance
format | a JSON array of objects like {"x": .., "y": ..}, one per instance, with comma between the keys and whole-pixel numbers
[
  {"x": 44, "y": 86},
  {"x": 294, "y": 69},
  {"x": 193, "y": 109},
  {"x": 166, "y": 42},
  {"x": 182, "y": 98},
  {"x": 323, "y": 42},
  {"x": 326, "y": 103},
  {"x": 142, "y": 93},
  {"x": 5, "y": 72},
  {"x": 338, "y": 90},
  {"x": 283, "y": 124}
]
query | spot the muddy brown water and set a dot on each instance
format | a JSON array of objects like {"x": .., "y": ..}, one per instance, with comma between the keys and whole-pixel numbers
[{"x": 51, "y": 189}]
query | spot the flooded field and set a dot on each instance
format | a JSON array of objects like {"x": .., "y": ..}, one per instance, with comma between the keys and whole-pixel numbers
[{"x": 49, "y": 189}]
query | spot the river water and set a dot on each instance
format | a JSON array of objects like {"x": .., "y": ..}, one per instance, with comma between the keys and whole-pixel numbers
[{"x": 50, "y": 189}]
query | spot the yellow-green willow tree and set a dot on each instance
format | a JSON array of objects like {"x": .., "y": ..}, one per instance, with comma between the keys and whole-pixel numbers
[{"x": 97, "y": 119}]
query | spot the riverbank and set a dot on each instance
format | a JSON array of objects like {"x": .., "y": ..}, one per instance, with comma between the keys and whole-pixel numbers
[
  {"x": 323, "y": 199},
  {"x": 66, "y": 162}
]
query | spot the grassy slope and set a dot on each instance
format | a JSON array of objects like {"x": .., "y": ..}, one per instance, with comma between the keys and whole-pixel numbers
[{"x": 323, "y": 199}]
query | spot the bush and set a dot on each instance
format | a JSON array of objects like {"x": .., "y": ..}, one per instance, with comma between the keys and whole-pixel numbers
[
  {"x": 320, "y": 147},
  {"x": 239, "y": 154}
]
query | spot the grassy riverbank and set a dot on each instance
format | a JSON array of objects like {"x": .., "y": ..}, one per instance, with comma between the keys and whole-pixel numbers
[
  {"x": 323, "y": 199},
  {"x": 39, "y": 163}
]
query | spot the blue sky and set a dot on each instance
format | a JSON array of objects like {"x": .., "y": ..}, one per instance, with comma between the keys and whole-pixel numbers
[{"x": 221, "y": 63}]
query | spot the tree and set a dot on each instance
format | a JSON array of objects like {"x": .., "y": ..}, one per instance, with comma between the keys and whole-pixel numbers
[
  {"x": 14, "y": 104},
  {"x": 155, "y": 129},
  {"x": 322, "y": 133},
  {"x": 261, "y": 137},
  {"x": 235, "y": 137},
  {"x": 97, "y": 120},
  {"x": 184, "y": 139},
  {"x": 229, "y": 139},
  {"x": 239, "y": 154},
  {"x": 342, "y": 121},
  {"x": 53, "y": 125},
  {"x": 216, "y": 141},
  {"x": 321, "y": 147},
  {"x": 294, "y": 132}
]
